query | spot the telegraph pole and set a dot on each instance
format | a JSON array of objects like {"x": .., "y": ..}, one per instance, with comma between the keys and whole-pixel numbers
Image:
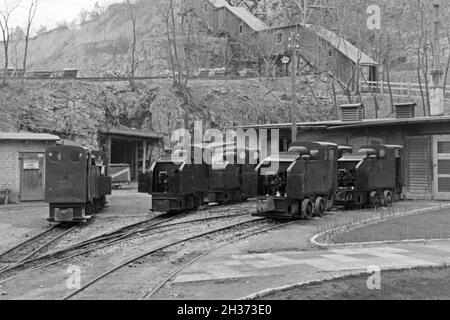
[
  {"x": 437, "y": 89},
  {"x": 294, "y": 46}
]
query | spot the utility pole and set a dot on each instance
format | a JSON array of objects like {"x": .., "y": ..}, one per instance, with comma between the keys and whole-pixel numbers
[
  {"x": 437, "y": 88},
  {"x": 293, "y": 46}
]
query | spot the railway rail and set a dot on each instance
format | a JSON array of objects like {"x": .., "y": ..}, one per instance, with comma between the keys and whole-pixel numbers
[
  {"x": 160, "y": 248},
  {"x": 155, "y": 290},
  {"x": 122, "y": 79},
  {"x": 127, "y": 233},
  {"x": 30, "y": 248}
]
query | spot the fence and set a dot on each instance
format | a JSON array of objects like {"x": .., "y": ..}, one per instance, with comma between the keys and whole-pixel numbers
[{"x": 407, "y": 89}]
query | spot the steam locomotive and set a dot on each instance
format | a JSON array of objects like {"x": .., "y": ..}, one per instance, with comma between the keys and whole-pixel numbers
[
  {"x": 179, "y": 184},
  {"x": 312, "y": 178},
  {"x": 77, "y": 183},
  {"x": 373, "y": 176},
  {"x": 299, "y": 183}
]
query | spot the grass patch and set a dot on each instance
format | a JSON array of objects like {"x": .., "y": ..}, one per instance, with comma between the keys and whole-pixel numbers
[
  {"x": 418, "y": 284},
  {"x": 428, "y": 226}
]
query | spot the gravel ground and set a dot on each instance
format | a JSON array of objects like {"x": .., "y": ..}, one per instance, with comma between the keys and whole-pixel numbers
[
  {"x": 128, "y": 207},
  {"x": 18, "y": 223}
]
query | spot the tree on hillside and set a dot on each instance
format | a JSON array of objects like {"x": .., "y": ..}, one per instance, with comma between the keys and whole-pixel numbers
[
  {"x": 99, "y": 9},
  {"x": 132, "y": 11},
  {"x": 171, "y": 33},
  {"x": 41, "y": 30},
  {"x": 6, "y": 10},
  {"x": 31, "y": 14},
  {"x": 16, "y": 36}
]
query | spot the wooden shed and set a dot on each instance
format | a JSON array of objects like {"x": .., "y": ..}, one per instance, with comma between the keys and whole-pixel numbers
[{"x": 326, "y": 50}]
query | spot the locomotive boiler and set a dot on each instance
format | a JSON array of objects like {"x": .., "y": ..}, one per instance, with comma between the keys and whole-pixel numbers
[
  {"x": 77, "y": 183},
  {"x": 372, "y": 177},
  {"x": 300, "y": 183}
]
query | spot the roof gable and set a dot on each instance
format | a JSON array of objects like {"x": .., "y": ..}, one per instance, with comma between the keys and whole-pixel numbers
[{"x": 343, "y": 46}]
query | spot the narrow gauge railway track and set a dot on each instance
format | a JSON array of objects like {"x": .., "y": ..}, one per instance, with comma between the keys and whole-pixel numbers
[
  {"x": 155, "y": 290},
  {"x": 127, "y": 233},
  {"x": 160, "y": 248},
  {"x": 31, "y": 247},
  {"x": 122, "y": 79}
]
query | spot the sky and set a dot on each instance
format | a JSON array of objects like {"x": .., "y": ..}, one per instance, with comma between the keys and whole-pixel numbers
[{"x": 52, "y": 12}]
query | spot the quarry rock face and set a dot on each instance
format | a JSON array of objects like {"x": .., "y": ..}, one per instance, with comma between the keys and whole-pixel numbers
[{"x": 76, "y": 110}]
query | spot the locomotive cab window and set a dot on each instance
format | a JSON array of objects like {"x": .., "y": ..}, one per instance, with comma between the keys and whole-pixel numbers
[
  {"x": 76, "y": 156},
  {"x": 55, "y": 156},
  {"x": 315, "y": 154}
]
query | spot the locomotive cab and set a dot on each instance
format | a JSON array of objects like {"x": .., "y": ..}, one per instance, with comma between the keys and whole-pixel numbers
[
  {"x": 299, "y": 183},
  {"x": 373, "y": 176}
]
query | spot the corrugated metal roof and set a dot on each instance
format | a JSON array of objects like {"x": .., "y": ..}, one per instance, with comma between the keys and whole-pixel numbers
[
  {"x": 27, "y": 136},
  {"x": 132, "y": 133},
  {"x": 343, "y": 46},
  {"x": 338, "y": 124}
]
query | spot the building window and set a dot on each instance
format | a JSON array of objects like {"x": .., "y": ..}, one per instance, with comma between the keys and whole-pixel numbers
[
  {"x": 206, "y": 6},
  {"x": 279, "y": 38},
  {"x": 241, "y": 28}
]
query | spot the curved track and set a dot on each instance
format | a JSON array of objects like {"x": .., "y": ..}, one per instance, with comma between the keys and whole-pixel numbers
[
  {"x": 142, "y": 229},
  {"x": 26, "y": 250},
  {"x": 152, "y": 292},
  {"x": 165, "y": 246}
]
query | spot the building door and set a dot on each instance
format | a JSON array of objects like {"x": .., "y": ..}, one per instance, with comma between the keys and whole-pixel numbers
[
  {"x": 418, "y": 167},
  {"x": 32, "y": 175},
  {"x": 441, "y": 164}
]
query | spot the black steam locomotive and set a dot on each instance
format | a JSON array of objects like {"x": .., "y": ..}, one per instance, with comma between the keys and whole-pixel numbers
[
  {"x": 373, "y": 176},
  {"x": 77, "y": 183},
  {"x": 178, "y": 185},
  {"x": 303, "y": 183}
]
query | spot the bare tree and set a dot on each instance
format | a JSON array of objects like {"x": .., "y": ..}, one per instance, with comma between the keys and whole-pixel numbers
[
  {"x": 6, "y": 10},
  {"x": 133, "y": 18},
  {"x": 31, "y": 14},
  {"x": 171, "y": 33}
]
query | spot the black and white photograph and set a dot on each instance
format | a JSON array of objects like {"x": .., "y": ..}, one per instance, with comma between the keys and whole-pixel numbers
[{"x": 248, "y": 151}]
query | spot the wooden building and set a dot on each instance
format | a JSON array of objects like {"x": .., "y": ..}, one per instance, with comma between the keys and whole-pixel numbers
[
  {"x": 318, "y": 46},
  {"x": 426, "y": 141},
  {"x": 136, "y": 148},
  {"x": 325, "y": 50}
]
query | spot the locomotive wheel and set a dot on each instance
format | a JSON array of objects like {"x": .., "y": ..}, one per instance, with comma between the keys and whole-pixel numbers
[
  {"x": 320, "y": 207},
  {"x": 307, "y": 209},
  {"x": 375, "y": 200},
  {"x": 388, "y": 198}
]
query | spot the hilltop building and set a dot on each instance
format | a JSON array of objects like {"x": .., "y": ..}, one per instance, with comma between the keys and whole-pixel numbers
[{"x": 320, "y": 48}]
